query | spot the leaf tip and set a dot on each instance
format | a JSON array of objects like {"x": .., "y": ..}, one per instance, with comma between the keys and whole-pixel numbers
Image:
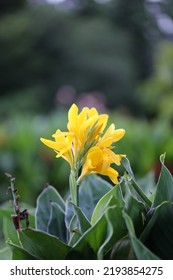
[{"x": 162, "y": 158}]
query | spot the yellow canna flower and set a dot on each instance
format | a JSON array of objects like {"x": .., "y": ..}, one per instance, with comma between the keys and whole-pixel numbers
[
  {"x": 98, "y": 161},
  {"x": 85, "y": 146},
  {"x": 105, "y": 142},
  {"x": 61, "y": 145},
  {"x": 100, "y": 157},
  {"x": 86, "y": 127},
  {"x": 111, "y": 135}
]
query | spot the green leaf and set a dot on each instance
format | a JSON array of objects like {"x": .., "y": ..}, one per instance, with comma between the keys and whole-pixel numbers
[
  {"x": 99, "y": 239},
  {"x": 112, "y": 198},
  {"x": 78, "y": 225},
  {"x": 42, "y": 245},
  {"x": 140, "y": 193},
  {"x": 5, "y": 253},
  {"x": 116, "y": 229},
  {"x": 164, "y": 189},
  {"x": 43, "y": 210},
  {"x": 158, "y": 233},
  {"x": 140, "y": 250},
  {"x": 74, "y": 234},
  {"x": 56, "y": 224},
  {"x": 126, "y": 164},
  {"x": 122, "y": 250},
  {"x": 10, "y": 232},
  {"x": 147, "y": 184},
  {"x": 88, "y": 245},
  {"x": 19, "y": 253},
  {"x": 135, "y": 209},
  {"x": 83, "y": 222},
  {"x": 90, "y": 192}
]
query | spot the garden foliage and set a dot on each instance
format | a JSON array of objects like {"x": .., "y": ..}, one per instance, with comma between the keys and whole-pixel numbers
[
  {"x": 120, "y": 222},
  {"x": 96, "y": 220}
]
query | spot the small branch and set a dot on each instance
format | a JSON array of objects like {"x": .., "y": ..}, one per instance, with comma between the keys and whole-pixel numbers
[{"x": 18, "y": 216}]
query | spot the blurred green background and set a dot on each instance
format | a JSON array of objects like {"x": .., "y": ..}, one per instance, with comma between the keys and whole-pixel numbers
[{"x": 115, "y": 55}]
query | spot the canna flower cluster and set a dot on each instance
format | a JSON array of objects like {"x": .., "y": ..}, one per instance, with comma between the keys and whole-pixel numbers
[{"x": 85, "y": 146}]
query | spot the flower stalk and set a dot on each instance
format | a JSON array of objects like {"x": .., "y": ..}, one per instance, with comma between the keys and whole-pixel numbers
[{"x": 73, "y": 188}]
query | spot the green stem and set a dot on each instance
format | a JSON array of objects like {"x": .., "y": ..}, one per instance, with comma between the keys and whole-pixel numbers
[{"x": 73, "y": 188}]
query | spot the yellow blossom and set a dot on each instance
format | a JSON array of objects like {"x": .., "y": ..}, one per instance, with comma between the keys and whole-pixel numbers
[
  {"x": 86, "y": 127},
  {"x": 61, "y": 145},
  {"x": 98, "y": 161},
  {"x": 85, "y": 146},
  {"x": 101, "y": 156},
  {"x": 111, "y": 135}
]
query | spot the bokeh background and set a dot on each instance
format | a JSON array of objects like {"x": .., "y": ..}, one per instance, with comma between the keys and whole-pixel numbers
[{"x": 115, "y": 55}]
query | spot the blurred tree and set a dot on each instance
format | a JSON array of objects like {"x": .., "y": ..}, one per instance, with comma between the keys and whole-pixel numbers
[
  {"x": 157, "y": 92},
  {"x": 136, "y": 20},
  {"x": 31, "y": 51},
  {"x": 90, "y": 46},
  {"x": 43, "y": 49},
  {"x": 7, "y": 6},
  {"x": 167, "y": 7}
]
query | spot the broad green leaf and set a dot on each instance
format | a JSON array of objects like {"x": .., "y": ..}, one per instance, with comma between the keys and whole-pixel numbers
[
  {"x": 43, "y": 210},
  {"x": 164, "y": 189},
  {"x": 112, "y": 198},
  {"x": 158, "y": 233},
  {"x": 99, "y": 239},
  {"x": 135, "y": 209},
  {"x": 88, "y": 245},
  {"x": 10, "y": 232},
  {"x": 140, "y": 250},
  {"x": 19, "y": 253},
  {"x": 56, "y": 224},
  {"x": 116, "y": 229},
  {"x": 122, "y": 250},
  {"x": 42, "y": 245},
  {"x": 147, "y": 184},
  {"x": 90, "y": 192},
  {"x": 5, "y": 253}
]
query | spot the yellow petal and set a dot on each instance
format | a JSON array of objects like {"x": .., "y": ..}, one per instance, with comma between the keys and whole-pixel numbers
[
  {"x": 112, "y": 174},
  {"x": 103, "y": 121},
  {"x": 118, "y": 134},
  {"x": 112, "y": 157},
  {"x": 49, "y": 143},
  {"x": 72, "y": 116}
]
